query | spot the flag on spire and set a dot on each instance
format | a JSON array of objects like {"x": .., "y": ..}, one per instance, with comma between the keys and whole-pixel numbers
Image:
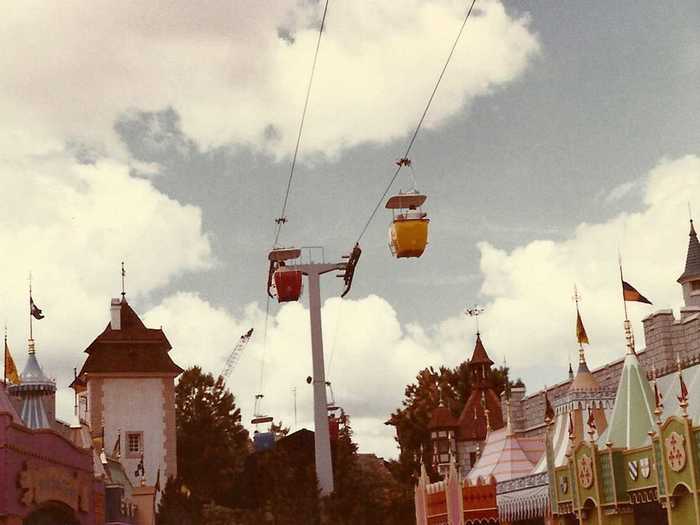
[
  {"x": 658, "y": 398},
  {"x": 572, "y": 431},
  {"x": 630, "y": 294},
  {"x": 34, "y": 309},
  {"x": 581, "y": 335},
  {"x": 11, "y": 374},
  {"x": 591, "y": 420},
  {"x": 117, "y": 450},
  {"x": 683, "y": 398}
]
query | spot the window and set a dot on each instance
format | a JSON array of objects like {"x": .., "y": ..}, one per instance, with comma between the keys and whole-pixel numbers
[
  {"x": 695, "y": 286},
  {"x": 134, "y": 444}
]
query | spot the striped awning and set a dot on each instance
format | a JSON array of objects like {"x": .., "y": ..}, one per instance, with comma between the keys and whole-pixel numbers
[{"x": 523, "y": 504}]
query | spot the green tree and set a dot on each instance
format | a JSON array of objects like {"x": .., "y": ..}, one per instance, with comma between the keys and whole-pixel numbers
[
  {"x": 177, "y": 506},
  {"x": 212, "y": 443}
]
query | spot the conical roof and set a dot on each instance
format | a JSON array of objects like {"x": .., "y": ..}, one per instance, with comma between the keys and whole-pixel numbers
[
  {"x": 632, "y": 417},
  {"x": 33, "y": 372},
  {"x": 692, "y": 261},
  {"x": 584, "y": 380},
  {"x": 479, "y": 356}
]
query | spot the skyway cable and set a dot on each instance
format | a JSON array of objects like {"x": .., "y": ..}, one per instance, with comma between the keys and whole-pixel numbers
[{"x": 420, "y": 123}]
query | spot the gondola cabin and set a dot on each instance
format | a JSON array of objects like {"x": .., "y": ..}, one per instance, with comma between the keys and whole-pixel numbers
[
  {"x": 283, "y": 282},
  {"x": 287, "y": 284},
  {"x": 408, "y": 233},
  {"x": 263, "y": 441}
]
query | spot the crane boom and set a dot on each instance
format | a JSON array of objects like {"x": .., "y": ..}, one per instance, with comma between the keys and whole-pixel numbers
[{"x": 235, "y": 355}]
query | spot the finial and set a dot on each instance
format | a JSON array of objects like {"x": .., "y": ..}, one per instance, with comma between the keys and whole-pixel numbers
[
  {"x": 683, "y": 397},
  {"x": 475, "y": 311},
  {"x": 123, "y": 276}
]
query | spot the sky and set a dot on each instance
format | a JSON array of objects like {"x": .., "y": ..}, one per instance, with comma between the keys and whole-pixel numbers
[{"x": 161, "y": 135}]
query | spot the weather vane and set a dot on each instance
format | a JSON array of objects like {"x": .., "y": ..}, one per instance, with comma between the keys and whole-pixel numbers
[{"x": 475, "y": 311}]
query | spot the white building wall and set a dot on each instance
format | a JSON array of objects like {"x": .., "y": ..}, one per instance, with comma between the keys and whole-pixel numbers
[{"x": 136, "y": 405}]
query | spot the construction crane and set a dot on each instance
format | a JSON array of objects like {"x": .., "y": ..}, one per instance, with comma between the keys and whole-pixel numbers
[{"x": 235, "y": 355}]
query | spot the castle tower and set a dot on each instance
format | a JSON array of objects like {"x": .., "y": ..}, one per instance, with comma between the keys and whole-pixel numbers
[
  {"x": 126, "y": 390},
  {"x": 442, "y": 427},
  {"x": 482, "y": 411},
  {"x": 690, "y": 279},
  {"x": 36, "y": 392},
  {"x": 585, "y": 397}
]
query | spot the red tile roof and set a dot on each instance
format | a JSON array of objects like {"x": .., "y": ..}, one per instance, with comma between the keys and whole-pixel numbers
[
  {"x": 442, "y": 418},
  {"x": 133, "y": 348},
  {"x": 472, "y": 420}
]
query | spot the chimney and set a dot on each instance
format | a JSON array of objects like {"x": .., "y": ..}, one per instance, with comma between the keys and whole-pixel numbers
[{"x": 115, "y": 310}]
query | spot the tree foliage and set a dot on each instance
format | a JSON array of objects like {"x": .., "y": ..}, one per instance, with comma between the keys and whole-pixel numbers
[{"x": 212, "y": 443}]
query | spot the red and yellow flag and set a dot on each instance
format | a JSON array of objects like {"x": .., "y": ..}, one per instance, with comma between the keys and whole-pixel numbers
[
  {"x": 11, "y": 374},
  {"x": 630, "y": 293},
  {"x": 581, "y": 335}
]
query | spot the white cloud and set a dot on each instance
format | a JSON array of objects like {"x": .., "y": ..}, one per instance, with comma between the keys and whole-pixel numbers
[
  {"x": 71, "y": 225},
  {"x": 75, "y": 67},
  {"x": 529, "y": 288},
  {"x": 369, "y": 357}
]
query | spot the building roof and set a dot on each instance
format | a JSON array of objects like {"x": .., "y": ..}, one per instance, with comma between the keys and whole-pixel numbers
[
  {"x": 584, "y": 380},
  {"x": 692, "y": 261},
  {"x": 472, "y": 420},
  {"x": 131, "y": 348},
  {"x": 506, "y": 456},
  {"x": 632, "y": 416},
  {"x": 479, "y": 356},
  {"x": 7, "y": 407},
  {"x": 442, "y": 418}
]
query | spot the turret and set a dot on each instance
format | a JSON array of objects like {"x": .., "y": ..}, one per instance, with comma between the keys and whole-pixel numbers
[
  {"x": 37, "y": 393},
  {"x": 442, "y": 427},
  {"x": 690, "y": 279}
]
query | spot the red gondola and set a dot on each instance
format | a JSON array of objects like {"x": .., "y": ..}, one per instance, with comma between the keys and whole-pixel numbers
[
  {"x": 283, "y": 282},
  {"x": 287, "y": 284}
]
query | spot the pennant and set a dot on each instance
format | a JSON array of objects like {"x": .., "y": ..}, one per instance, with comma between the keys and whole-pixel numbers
[
  {"x": 548, "y": 410},
  {"x": 11, "y": 374},
  {"x": 140, "y": 470},
  {"x": 571, "y": 426},
  {"x": 630, "y": 293},
  {"x": 591, "y": 420},
  {"x": 117, "y": 450},
  {"x": 657, "y": 396},
  {"x": 35, "y": 310},
  {"x": 684, "y": 389},
  {"x": 581, "y": 335}
]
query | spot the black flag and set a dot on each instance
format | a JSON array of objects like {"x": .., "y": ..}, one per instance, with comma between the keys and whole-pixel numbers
[{"x": 35, "y": 310}]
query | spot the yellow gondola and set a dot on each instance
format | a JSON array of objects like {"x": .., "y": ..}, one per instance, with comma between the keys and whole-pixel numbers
[{"x": 408, "y": 233}]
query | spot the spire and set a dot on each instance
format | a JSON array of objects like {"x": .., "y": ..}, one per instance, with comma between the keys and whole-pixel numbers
[
  {"x": 632, "y": 417},
  {"x": 571, "y": 372},
  {"x": 581, "y": 335},
  {"x": 692, "y": 261},
  {"x": 123, "y": 276}
]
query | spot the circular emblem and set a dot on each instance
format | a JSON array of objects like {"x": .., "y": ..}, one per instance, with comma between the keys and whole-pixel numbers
[
  {"x": 564, "y": 484},
  {"x": 675, "y": 452},
  {"x": 585, "y": 471}
]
